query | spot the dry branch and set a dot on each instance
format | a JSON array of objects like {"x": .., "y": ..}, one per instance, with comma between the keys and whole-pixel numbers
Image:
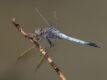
[{"x": 34, "y": 40}]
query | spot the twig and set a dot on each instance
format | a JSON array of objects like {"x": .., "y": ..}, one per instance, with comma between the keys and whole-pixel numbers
[{"x": 34, "y": 40}]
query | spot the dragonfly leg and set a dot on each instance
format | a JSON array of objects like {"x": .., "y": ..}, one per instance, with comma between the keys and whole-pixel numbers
[
  {"x": 40, "y": 39},
  {"x": 50, "y": 42}
]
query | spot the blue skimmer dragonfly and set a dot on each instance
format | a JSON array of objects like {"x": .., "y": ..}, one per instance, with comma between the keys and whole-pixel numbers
[{"x": 53, "y": 33}]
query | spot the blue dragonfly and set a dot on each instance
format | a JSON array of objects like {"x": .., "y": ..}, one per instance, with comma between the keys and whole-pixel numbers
[{"x": 52, "y": 32}]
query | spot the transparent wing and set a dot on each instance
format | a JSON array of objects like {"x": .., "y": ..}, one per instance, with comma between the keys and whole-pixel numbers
[
  {"x": 46, "y": 21},
  {"x": 55, "y": 22},
  {"x": 25, "y": 53},
  {"x": 42, "y": 60},
  {"x": 55, "y": 19}
]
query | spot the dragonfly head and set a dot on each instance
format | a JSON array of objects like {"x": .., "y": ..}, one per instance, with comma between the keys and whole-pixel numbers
[{"x": 39, "y": 32}]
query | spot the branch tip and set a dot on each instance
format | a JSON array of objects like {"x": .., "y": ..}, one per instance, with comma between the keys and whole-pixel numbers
[{"x": 14, "y": 20}]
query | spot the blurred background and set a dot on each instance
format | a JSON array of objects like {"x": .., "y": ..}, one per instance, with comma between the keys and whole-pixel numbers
[{"x": 83, "y": 19}]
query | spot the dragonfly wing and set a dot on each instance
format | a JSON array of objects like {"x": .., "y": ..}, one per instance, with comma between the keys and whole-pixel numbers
[
  {"x": 55, "y": 20},
  {"x": 25, "y": 53},
  {"x": 40, "y": 63},
  {"x": 46, "y": 21},
  {"x": 42, "y": 60}
]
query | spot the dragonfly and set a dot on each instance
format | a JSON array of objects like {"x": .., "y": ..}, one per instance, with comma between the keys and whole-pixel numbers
[{"x": 52, "y": 32}]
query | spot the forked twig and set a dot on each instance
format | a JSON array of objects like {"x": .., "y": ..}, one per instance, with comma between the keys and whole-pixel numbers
[{"x": 34, "y": 39}]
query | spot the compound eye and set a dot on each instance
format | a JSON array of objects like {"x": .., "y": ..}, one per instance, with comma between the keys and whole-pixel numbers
[
  {"x": 39, "y": 31},
  {"x": 36, "y": 31}
]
